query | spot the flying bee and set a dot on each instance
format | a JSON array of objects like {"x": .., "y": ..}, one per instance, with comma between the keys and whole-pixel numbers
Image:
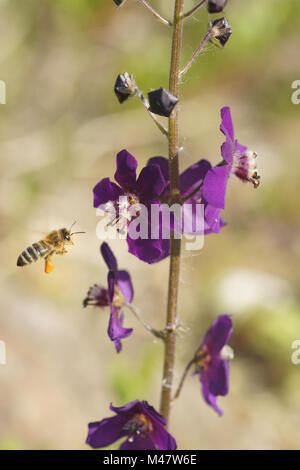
[{"x": 53, "y": 243}]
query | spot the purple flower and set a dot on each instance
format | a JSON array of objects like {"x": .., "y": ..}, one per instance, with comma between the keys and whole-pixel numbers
[
  {"x": 126, "y": 200},
  {"x": 191, "y": 191},
  {"x": 140, "y": 423},
  {"x": 212, "y": 361},
  {"x": 238, "y": 160},
  {"x": 118, "y": 293}
]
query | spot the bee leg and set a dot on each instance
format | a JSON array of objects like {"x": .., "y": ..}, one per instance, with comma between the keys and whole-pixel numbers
[{"x": 63, "y": 251}]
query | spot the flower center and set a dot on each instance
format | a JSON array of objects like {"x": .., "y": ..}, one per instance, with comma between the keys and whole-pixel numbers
[
  {"x": 122, "y": 211},
  {"x": 202, "y": 359},
  {"x": 244, "y": 167},
  {"x": 139, "y": 425},
  {"x": 118, "y": 300}
]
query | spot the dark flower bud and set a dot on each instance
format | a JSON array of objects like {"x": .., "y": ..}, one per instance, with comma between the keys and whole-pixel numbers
[
  {"x": 125, "y": 87},
  {"x": 221, "y": 32},
  {"x": 215, "y": 6},
  {"x": 162, "y": 102},
  {"x": 119, "y": 3}
]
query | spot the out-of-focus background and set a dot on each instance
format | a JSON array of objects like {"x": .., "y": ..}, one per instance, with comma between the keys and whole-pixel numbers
[{"x": 59, "y": 133}]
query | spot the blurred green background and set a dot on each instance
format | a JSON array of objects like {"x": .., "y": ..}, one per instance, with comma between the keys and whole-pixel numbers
[{"x": 59, "y": 133}]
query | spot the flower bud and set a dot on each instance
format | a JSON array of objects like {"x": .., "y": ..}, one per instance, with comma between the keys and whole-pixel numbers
[
  {"x": 119, "y": 3},
  {"x": 220, "y": 32},
  {"x": 162, "y": 102},
  {"x": 216, "y": 6},
  {"x": 125, "y": 87}
]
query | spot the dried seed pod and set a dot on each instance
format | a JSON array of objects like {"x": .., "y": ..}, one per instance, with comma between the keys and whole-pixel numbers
[
  {"x": 125, "y": 87},
  {"x": 216, "y": 6},
  {"x": 162, "y": 102},
  {"x": 119, "y": 3},
  {"x": 221, "y": 32}
]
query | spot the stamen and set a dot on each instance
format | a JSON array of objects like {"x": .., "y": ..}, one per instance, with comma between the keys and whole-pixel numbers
[
  {"x": 122, "y": 211},
  {"x": 138, "y": 425},
  {"x": 244, "y": 167}
]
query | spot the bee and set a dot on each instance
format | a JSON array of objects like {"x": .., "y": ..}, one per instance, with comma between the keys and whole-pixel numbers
[{"x": 53, "y": 243}]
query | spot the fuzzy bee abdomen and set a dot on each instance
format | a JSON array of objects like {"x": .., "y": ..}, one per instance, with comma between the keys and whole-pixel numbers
[{"x": 33, "y": 253}]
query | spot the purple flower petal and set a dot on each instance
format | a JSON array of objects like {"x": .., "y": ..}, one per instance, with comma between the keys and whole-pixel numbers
[
  {"x": 154, "y": 415},
  {"x": 126, "y": 170},
  {"x": 218, "y": 334},
  {"x": 217, "y": 376},
  {"x": 130, "y": 417},
  {"x": 215, "y": 184},
  {"x": 111, "y": 281},
  {"x": 105, "y": 432},
  {"x": 149, "y": 251},
  {"x": 150, "y": 184},
  {"x": 226, "y": 127},
  {"x": 212, "y": 220},
  {"x": 133, "y": 406},
  {"x": 115, "y": 328},
  {"x": 192, "y": 177},
  {"x": 209, "y": 397},
  {"x": 109, "y": 257},
  {"x": 106, "y": 191},
  {"x": 240, "y": 149},
  {"x": 163, "y": 440},
  {"x": 125, "y": 285},
  {"x": 226, "y": 124},
  {"x": 163, "y": 164}
]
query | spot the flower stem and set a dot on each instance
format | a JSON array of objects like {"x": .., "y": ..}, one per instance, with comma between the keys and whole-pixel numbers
[
  {"x": 154, "y": 13},
  {"x": 193, "y": 10},
  {"x": 196, "y": 53},
  {"x": 173, "y": 138},
  {"x": 136, "y": 313},
  {"x": 160, "y": 126},
  {"x": 184, "y": 375}
]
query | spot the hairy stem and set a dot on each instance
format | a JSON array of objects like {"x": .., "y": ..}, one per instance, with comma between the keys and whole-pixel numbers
[
  {"x": 170, "y": 341},
  {"x": 154, "y": 13}
]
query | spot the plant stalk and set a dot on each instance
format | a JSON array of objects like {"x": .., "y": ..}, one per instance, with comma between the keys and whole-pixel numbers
[
  {"x": 154, "y": 13},
  {"x": 173, "y": 139}
]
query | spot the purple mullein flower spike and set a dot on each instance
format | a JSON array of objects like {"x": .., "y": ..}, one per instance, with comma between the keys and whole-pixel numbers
[
  {"x": 138, "y": 422},
  {"x": 238, "y": 160},
  {"x": 118, "y": 293},
  {"x": 128, "y": 199},
  {"x": 212, "y": 361},
  {"x": 191, "y": 183}
]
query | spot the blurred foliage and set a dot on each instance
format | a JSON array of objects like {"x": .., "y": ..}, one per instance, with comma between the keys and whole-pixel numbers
[{"x": 130, "y": 379}]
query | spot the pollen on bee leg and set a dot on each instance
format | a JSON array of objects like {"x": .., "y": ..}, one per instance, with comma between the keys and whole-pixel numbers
[{"x": 48, "y": 266}]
